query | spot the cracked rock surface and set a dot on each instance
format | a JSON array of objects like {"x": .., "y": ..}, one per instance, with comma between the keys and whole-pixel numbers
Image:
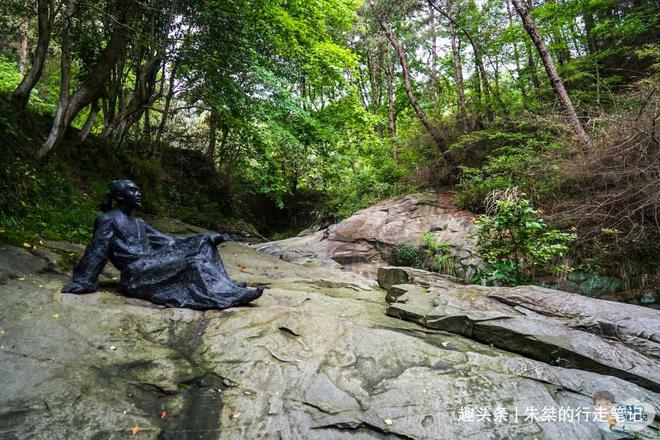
[{"x": 321, "y": 355}]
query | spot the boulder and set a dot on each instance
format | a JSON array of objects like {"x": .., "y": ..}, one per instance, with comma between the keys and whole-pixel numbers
[
  {"x": 316, "y": 357},
  {"x": 364, "y": 241}
]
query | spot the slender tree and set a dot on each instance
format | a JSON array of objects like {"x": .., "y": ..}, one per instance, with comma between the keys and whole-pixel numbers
[
  {"x": 70, "y": 105},
  {"x": 438, "y": 138},
  {"x": 555, "y": 79}
]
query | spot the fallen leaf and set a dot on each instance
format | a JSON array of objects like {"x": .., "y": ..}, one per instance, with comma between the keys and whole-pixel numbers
[
  {"x": 241, "y": 267},
  {"x": 163, "y": 414},
  {"x": 236, "y": 415},
  {"x": 135, "y": 430},
  {"x": 388, "y": 421}
]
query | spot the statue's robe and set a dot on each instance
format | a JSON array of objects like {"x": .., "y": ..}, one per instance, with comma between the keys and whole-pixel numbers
[{"x": 175, "y": 272}]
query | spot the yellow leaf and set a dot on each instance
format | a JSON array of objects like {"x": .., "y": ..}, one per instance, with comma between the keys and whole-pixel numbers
[
  {"x": 135, "y": 430},
  {"x": 56, "y": 315},
  {"x": 27, "y": 245}
]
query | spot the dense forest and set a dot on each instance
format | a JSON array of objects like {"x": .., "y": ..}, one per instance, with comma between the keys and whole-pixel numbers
[{"x": 286, "y": 113}]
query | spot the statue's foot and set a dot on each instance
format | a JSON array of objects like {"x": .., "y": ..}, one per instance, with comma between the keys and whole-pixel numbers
[{"x": 257, "y": 293}]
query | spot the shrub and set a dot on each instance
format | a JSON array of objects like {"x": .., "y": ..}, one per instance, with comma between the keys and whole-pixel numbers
[
  {"x": 431, "y": 255},
  {"x": 516, "y": 244}
]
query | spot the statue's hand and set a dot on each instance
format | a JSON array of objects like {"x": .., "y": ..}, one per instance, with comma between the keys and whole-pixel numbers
[{"x": 76, "y": 288}]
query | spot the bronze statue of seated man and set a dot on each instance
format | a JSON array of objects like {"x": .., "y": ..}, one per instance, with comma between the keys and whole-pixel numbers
[{"x": 175, "y": 272}]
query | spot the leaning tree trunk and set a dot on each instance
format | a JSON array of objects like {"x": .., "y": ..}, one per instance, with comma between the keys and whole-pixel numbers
[
  {"x": 92, "y": 86},
  {"x": 89, "y": 123},
  {"x": 555, "y": 79},
  {"x": 45, "y": 18},
  {"x": 435, "y": 134},
  {"x": 59, "y": 122}
]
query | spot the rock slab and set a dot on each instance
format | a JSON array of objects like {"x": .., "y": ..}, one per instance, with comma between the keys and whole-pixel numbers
[{"x": 315, "y": 358}]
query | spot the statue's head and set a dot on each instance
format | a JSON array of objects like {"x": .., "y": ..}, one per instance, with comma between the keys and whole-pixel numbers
[{"x": 125, "y": 192}]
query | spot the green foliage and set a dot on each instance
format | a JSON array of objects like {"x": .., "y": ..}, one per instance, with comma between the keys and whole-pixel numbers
[
  {"x": 404, "y": 254},
  {"x": 517, "y": 245},
  {"x": 9, "y": 75},
  {"x": 524, "y": 159},
  {"x": 431, "y": 255}
]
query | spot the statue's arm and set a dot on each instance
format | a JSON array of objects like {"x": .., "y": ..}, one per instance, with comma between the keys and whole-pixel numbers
[
  {"x": 156, "y": 238},
  {"x": 87, "y": 271}
]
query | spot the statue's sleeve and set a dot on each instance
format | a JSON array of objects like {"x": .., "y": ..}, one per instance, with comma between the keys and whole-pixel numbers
[
  {"x": 90, "y": 266},
  {"x": 156, "y": 238}
]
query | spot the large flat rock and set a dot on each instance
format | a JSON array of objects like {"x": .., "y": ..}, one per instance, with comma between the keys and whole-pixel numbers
[{"x": 316, "y": 357}]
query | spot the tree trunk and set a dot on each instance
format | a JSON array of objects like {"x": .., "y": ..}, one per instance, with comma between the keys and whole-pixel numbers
[
  {"x": 480, "y": 71},
  {"x": 213, "y": 127},
  {"x": 374, "y": 77},
  {"x": 89, "y": 123},
  {"x": 516, "y": 56},
  {"x": 389, "y": 73},
  {"x": 587, "y": 16},
  {"x": 142, "y": 97},
  {"x": 485, "y": 87},
  {"x": 23, "y": 50},
  {"x": 435, "y": 134},
  {"x": 563, "y": 55},
  {"x": 433, "y": 74},
  {"x": 555, "y": 80},
  {"x": 168, "y": 103},
  {"x": 59, "y": 122},
  {"x": 458, "y": 78},
  {"x": 391, "y": 114},
  {"x": 92, "y": 86},
  {"x": 45, "y": 18}
]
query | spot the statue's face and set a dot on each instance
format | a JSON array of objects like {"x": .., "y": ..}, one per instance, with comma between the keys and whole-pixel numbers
[{"x": 131, "y": 195}]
